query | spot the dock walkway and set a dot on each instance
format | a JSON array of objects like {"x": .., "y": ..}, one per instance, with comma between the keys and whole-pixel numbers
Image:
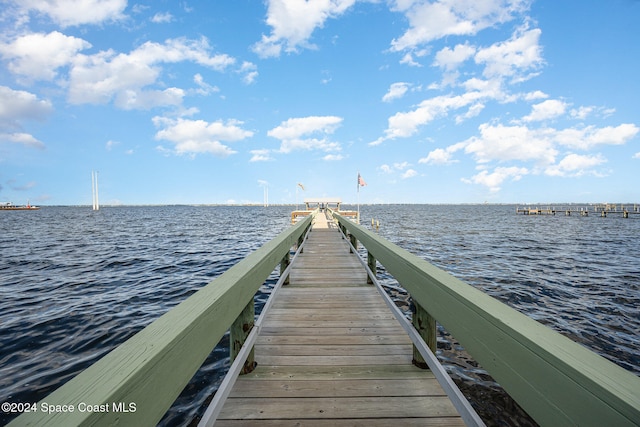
[{"x": 330, "y": 353}]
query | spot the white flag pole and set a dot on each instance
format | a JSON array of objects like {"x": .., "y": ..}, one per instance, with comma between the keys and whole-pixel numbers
[{"x": 358, "y": 216}]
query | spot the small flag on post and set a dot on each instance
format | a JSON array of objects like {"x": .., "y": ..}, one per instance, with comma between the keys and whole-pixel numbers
[
  {"x": 301, "y": 186},
  {"x": 361, "y": 182}
]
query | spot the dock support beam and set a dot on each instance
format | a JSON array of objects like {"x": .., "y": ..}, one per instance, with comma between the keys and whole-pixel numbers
[
  {"x": 354, "y": 242},
  {"x": 425, "y": 324},
  {"x": 283, "y": 266},
  {"x": 239, "y": 332},
  {"x": 372, "y": 264}
]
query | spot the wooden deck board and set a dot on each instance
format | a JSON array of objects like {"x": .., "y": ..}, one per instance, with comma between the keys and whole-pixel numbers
[
  {"x": 330, "y": 353},
  {"x": 331, "y": 388},
  {"x": 333, "y": 339},
  {"x": 265, "y": 407}
]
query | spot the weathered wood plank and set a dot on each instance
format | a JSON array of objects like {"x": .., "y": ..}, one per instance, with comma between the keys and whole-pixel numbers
[
  {"x": 307, "y": 373},
  {"x": 321, "y": 273},
  {"x": 333, "y": 339},
  {"x": 330, "y": 360},
  {"x": 324, "y": 304},
  {"x": 295, "y": 314},
  {"x": 337, "y": 350},
  {"x": 330, "y": 388},
  {"x": 351, "y": 323},
  {"x": 344, "y": 407},
  {"x": 327, "y": 284},
  {"x": 347, "y": 331},
  {"x": 293, "y": 291}
]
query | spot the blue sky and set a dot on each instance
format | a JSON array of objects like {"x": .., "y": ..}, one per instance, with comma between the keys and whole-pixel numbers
[{"x": 441, "y": 101}]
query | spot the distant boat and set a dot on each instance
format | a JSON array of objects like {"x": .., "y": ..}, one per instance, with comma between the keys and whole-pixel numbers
[{"x": 8, "y": 206}]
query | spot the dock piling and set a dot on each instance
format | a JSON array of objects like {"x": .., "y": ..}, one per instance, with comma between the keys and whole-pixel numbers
[
  {"x": 372, "y": 264},
  {"x": 425, "y": 324},
  {"x": 286, "y": 260},
  {"x": 239, "y": 332}
]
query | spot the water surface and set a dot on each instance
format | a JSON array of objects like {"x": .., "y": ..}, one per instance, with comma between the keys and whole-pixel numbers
[{"x": 76, "y": 283}]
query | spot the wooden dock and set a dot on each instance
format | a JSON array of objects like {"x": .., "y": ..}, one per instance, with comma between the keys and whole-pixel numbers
[
  {"x": 330, "y": 353},
  {"x": 602, "y": 210}
]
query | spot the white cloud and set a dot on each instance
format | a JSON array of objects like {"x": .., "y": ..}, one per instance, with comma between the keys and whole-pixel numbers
[
  {"x": 517, "y": 58},
  {"x": 333, "y": 157},
  {"x": 450, "y": 59},
  {"x": 409, "y": 173},
  {"x": 437, "y": 156},
  {"x": 38, "y": 56},
  {"x": 102, "y": 77},
  {"x": 204, "y": 87},
  {"x": 590, "y": 136},
  {"x": 473, "y": 111},
  {"x": 575, "y": 165},
  {"x": 386, "y": 168},
  {"x": 495, "y": 179},
  {"x": 637, "y": 155},
  {"x": 549, "y": 109},
  {"x": 396, "y": 90},
  {"x": 111, "y": 144},
  {"x": 132, "y": 99},
  {"x": 293, "y": 21},
  {"x": 263, "y": 155},
  {"x": 162, "y": 18},
  {"x": 250, "y": 71},
  {"x": 404, "y": 168},
  {"x": 506, "y": 143},
  {"x": 22, "y": 138},
  {"x": 294, "y": 133},
  {"x": 408, "y": 60},
  {"x": 442, "y": 156},
  {"x": 77, "y": 12},
  {"x": 535, "y": 95},
  {"x": 405, "y": 124},
  {"x": 198, "y": 136},
  {"x": 127, "y": 79},
  {"x": 433, "y": 20},
  {"x": 582, "y": 112},
  {"x": 537, "y": 146},
  {"x": 17, "y": 106}
]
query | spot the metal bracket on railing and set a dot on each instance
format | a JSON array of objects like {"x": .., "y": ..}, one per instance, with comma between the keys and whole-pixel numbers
[
  {"x": 468, "y": 414},
  {"x": 213, "y": 410}
]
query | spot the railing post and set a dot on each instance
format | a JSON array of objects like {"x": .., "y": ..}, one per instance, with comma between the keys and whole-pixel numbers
[
  {"x": 283, "y": 266},
  {"x": 425, "y": 324},
  {"x": 372, "y": 264},
  {"x": 239, "y": 332},
  {"x": 353, "y": 241}
]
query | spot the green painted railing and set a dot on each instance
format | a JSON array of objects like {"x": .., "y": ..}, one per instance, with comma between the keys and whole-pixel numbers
[
  {"x": 557, "y": 381},
  {"x": 136, "y": 383}
]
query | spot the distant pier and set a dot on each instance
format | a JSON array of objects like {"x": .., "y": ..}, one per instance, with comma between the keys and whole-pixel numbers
[{"x": 602, "y": 210}]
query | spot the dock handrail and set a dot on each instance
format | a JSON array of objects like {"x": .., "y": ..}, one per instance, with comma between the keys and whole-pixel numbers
[
  {"x": 150, "y": 369},
  {"x": 556, "y": 380}
]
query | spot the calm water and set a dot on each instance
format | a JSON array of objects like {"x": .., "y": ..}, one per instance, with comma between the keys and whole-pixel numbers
[{"x": 75, "y": 283}]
